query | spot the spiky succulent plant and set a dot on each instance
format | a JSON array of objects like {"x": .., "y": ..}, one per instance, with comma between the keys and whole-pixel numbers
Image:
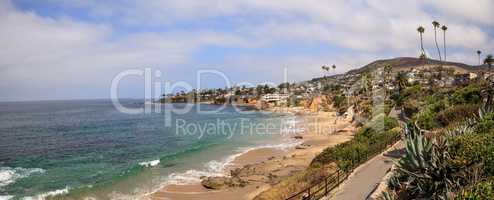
[
  {"x": 485, "y": 109},
  {"x": 461, "y": 129},
  {"x": 387, "y": 196},
  {"x": 425, "y": 170},
  {"x": 468, "y": 126}
]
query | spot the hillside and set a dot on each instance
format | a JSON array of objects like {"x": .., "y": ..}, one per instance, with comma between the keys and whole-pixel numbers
[{"x": 406, "y": 63}]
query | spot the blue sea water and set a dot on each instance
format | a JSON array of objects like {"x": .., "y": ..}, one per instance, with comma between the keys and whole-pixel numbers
[{"x": 87, "y": 148}]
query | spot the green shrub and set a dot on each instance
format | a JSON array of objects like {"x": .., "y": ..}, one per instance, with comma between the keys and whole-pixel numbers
[
  {"x": 486, "y": 124},
  {"x": 413, "y": 91},
  {"x": 339, "y": 102},
  {"x": 474, "y": 148},
  {"x": 411, "y": 107},
  {"x": 457, "y": 113},
  {"x": 467, "y": 95},
  {"x": 426, "y": 119},
  {"x": 435, "y": 102},
  {"x": 365, "y": 143},
  {"x": 397, "y": 98},
  {"x": 382, "y": 123},
  {"x": 390, "y": 123},
  {"x": 483, "y": 190}
]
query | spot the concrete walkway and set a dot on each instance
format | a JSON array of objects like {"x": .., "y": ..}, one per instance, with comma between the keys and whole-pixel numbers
[{"x": 361, "y": 183}]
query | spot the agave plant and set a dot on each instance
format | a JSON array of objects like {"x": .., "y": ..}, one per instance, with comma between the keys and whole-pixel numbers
[
  {"x": 387, "y": 196},
  {"x": 470, "y": 123},
  {"x": 485, "y": 109},
  {"x": 425, "y": 170},
  {"x": 461, "y": 129}
]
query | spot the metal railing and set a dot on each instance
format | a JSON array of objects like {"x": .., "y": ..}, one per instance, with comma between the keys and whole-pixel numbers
[
  {"x": 332, "y": 181},
  {"x": 322, "y": 188}
]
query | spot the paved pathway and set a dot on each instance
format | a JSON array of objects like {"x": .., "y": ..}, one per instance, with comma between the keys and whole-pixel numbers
[{"x": 366, "y": 177}]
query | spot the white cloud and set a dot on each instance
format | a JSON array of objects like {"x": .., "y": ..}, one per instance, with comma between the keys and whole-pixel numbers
[
  {"x": 369, "y": 26},
  {"x": 43, "y": 53},
  {"x": 68, "y": 52},
  {"x": 478, "y": 11}
]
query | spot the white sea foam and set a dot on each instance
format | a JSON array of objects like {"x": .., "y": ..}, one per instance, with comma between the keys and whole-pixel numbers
[
  {"x": 49, "y": 194},
  {"x": 151, "y": 163},
  {"x": 283, "y": 146},
  {"x": 189, "y": 177},
  {"x": 218, "y": 167},
  {"x": 9, "y": 175},
  {"x": 8, "y": 197},
  {"x": 211, "y": 168}
]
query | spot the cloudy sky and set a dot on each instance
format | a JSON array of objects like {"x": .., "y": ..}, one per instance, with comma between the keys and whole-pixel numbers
[{"x": 55, "y": 49}]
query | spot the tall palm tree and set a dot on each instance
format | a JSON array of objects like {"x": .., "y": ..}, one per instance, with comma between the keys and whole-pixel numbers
[
  {"x": 478, "y": 53},
  {"x": 436, "y": 25},
  {"x": 489, "y": 60},
  {"x": 421, "y": 31},
  {"x": 444, "y": 28},
  {"x": 325, "y": 68}
]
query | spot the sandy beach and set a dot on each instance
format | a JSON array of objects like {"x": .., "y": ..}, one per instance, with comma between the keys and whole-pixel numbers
[{"x": 261, "y": 168}]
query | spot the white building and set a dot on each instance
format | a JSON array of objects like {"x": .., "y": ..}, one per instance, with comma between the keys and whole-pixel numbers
[{"x": 274, "y": 97}]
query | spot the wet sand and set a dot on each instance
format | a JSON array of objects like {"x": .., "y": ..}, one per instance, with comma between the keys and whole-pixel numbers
[{"x": 269, "y": 165}]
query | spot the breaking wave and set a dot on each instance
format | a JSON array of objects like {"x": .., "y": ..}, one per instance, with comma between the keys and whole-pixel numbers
[{"x": 9, "y": 175}]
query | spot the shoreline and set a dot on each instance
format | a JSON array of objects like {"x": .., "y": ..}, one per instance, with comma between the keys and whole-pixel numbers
[
  {"x": 260, "y": 167},
  {"x": 191, "y": 175}
]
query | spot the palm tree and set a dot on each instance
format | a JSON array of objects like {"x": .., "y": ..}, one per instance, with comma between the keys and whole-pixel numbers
[
  {"x": 421, "y": 31},
  {"x": 478, "y": 53},
  {"x": 334, "y": 67},
  {"x": 436, "y": 26},
  {"x": 325, "y": 68},
  {"x": 444, "y": 28},
  {"x": 489, "y": 60}
]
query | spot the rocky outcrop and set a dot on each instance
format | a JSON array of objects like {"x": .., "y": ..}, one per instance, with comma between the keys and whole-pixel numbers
[
  {"x": 302, "y": 146},
  {"x": 220, "y": 182},
  {"x": 271, "y": 171},
  {"x": 298, "y": 137},
  {"x": 215, "y": 183}
]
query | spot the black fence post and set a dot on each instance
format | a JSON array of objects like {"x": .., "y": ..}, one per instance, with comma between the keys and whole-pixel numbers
[
  {"x": 338, "y": 179},
  {"x": 325, "y": 186}
]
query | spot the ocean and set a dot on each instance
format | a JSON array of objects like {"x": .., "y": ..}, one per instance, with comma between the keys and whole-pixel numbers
[{"x": 88, "y": 148}]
